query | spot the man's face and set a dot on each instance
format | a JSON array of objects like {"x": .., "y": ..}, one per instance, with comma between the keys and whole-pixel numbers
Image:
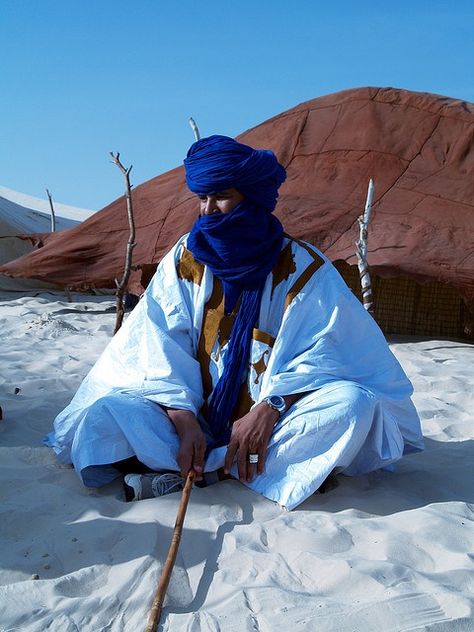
[{"x": 220, "y": 202}]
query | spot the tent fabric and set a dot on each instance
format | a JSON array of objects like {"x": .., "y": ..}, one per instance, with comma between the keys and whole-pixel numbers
[
  {"x": 22, "y": 214},
  {"x": 23, "y": 220},
  {"x": 418, "y": 148}
]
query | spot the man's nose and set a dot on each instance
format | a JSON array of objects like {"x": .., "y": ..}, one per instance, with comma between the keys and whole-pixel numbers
[{"x": 210, "y": 206}]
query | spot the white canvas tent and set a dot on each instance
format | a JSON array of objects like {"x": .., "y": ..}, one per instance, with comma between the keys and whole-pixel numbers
[{"x": 22, "y": 214}]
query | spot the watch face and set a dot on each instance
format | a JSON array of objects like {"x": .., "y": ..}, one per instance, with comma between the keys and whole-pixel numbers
[{"x": 276, "y": 400}]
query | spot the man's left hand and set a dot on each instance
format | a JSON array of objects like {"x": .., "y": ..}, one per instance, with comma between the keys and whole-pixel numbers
[{"x": 250, "y": 435}]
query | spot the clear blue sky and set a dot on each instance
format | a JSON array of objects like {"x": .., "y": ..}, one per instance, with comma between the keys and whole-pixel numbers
[{"x": 82, "y": 77}]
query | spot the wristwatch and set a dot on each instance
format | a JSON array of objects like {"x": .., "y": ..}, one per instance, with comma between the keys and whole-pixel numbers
[{"x": 276, "y": 402}]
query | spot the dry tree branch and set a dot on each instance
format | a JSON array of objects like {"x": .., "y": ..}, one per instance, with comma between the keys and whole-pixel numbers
[
  {"x": 195, "y": 128},
  {"x": 361, "y": 250},
  {"x": 122, "y": 285},
  {"x": 51, "y": 206}
]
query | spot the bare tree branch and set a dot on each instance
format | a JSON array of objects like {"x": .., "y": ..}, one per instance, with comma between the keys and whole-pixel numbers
[
  {"x": 195, "y": 128},
  {"x": 51, "y": 206},
  {"x": 361, "y": 250},
  {"x": 123, "y": 283}
]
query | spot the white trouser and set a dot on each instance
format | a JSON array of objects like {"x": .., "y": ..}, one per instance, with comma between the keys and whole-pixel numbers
[{"x": 340, "y": 426}]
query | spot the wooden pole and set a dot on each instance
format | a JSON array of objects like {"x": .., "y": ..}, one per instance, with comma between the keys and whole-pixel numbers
[
  {"x": 51, "y": 206},
  {"x": 122, "y": 285},
  {"x": 362, "y": 250},
  {"x": 155, "y": 611},
  {"x": 195, "y": 128}
]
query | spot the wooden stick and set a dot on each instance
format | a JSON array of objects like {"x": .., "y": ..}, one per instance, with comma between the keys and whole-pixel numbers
[
  {"x": 195, "y": 128},
  {"x": 155, "y": 611},
  {"x": 122, "y": 285},
  {"x": 51, "y": 206},
  {"x": 362, "y": 250}
]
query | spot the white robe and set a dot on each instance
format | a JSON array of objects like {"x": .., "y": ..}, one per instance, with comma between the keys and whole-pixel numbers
[{"x": 313, "y": 337}]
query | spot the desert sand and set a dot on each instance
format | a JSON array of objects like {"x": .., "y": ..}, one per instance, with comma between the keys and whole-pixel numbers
[{"x": 385, "y": 552}]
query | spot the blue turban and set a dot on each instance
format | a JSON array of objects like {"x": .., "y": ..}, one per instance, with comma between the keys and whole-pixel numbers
[
  {"x": 240, "y": 248},
  {"x": 217, "y": 163}
]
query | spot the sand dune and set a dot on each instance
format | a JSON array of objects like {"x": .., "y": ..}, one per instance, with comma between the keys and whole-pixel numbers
[{"x": 384, "y": 552}]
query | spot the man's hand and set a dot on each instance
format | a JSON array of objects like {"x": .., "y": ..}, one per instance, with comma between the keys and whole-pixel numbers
[
  {"x": 192, "y": 441},
  {"x": 250, "y": 435}
]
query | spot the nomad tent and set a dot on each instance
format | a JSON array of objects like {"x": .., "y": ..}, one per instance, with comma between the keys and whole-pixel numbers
[
  {"x": 23, "y": 221},
  {"x": 418, "y": 148}
]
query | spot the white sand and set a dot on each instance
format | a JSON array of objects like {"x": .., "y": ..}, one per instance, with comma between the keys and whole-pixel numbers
[{"x": 384, "y": 552}]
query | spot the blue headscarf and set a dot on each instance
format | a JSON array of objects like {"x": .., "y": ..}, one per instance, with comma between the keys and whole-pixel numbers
[
  {"x": 240, "y": 248},
  {"x": 218, "y": 162}
]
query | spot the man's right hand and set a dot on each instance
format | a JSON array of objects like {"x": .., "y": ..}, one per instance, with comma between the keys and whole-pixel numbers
[{"x": 192, "y": 441}]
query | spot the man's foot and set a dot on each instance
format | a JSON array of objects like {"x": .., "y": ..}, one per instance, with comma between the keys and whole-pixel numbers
[{"x": 142, "y": 486}]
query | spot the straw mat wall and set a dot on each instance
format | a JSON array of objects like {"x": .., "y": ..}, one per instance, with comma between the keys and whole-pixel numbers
[{"x": 403, "y": 306}]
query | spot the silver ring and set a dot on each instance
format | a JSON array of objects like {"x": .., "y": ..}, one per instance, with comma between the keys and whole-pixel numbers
[{"x": 253, "y": 457}]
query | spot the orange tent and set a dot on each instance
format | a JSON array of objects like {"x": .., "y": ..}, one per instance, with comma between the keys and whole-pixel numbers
[{"x": 418, "y": 148}]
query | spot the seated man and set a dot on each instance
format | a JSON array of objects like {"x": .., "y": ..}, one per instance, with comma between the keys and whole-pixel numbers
[{"x": 247, "y": 354}]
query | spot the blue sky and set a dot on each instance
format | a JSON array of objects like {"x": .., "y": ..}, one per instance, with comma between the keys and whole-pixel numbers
[{"x": 80, "y": 78}]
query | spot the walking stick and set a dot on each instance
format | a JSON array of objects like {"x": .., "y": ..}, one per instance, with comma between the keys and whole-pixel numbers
[{"x": 155, "y": 611}]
